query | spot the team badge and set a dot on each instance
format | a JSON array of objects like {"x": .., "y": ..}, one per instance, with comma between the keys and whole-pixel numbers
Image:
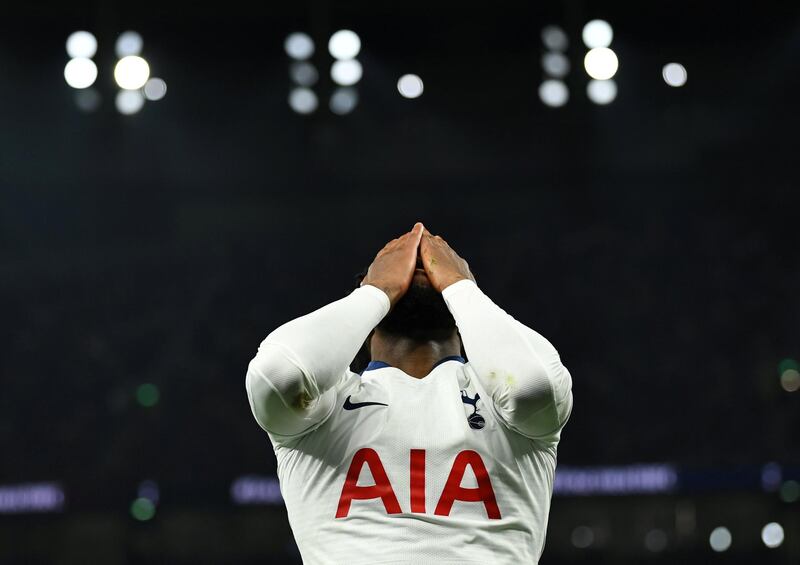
[{"x": 475, "y": 420}]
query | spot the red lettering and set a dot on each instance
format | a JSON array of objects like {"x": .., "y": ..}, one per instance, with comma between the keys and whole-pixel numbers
[
  {"x": 454, "y": 491},
  {"x": 417, "y": 481},
  {"x": 381, "y": 489}
]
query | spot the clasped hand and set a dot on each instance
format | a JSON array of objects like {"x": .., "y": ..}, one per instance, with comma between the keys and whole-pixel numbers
[{"x": 393, "y": 268}]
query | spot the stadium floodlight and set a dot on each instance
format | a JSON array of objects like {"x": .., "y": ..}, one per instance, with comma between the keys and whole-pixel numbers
[
  {"x": 772, "y": 535},
  {"x": 410, "y": 86},
  {"x": 303, "y": 73},
  {"x": 674, "y": 74},
  {"x": 720, "y": 539},
  {"x": 347, "y": 72},
  {"x": 601, "y": 91},
  {"x": 299, "y": 46},
  {"x": 128, "y": 43},
  {"x": 554, "y": 38},
  {"x": 129, "y": 102},
  {"x": 80, "y": 72},
  {"x": 155, "y": 89},
  {"x": 555, "y": 64},
  {"x": 344, "y": 100},
  {"x": 344, "y": 44},
  {"x": 131, "y": 72},
  {"x": 553, "y": 93},
  {"x": 597, "y": 33},
  {"x": 303, "y": 100},
  {"x": 81, "y": 44},
  {"x": 601, "y": 63}
]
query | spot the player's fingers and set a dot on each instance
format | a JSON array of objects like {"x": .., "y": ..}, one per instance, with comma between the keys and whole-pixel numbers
[
  {"x": 412, "y": 237},
  {"x": 418, "y": 230}
]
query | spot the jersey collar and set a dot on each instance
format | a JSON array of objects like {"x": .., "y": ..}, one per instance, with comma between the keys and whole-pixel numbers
[{"x": 380, "y": 364}]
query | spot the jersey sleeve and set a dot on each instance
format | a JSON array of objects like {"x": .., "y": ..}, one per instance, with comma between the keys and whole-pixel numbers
[
  {"x": 531, "y": 389},
  {"x": 290, "y": 381}
]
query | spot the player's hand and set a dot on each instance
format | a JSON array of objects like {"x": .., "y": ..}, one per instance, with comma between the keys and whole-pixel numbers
[
  {"x": 442, "y": 264},
  {"x": 393, "y": 267}
]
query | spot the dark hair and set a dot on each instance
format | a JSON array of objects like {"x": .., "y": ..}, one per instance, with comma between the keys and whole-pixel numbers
[{"x": 364, "y": 355}]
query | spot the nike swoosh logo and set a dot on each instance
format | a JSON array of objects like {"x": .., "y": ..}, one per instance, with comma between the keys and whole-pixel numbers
[{"x": 354, "y": 405}]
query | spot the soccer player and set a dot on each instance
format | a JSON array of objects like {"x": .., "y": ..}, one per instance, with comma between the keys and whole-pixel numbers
[{"x": 425, "y": 457}]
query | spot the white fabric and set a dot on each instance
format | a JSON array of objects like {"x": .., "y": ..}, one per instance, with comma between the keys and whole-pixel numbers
[{"x": 299, "y": 382}]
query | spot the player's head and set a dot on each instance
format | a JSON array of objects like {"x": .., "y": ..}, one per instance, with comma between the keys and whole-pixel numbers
[{"x": 421, "y": 313}]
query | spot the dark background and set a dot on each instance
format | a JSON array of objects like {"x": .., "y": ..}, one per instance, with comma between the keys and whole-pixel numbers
[{"x": 654, "y": 241}]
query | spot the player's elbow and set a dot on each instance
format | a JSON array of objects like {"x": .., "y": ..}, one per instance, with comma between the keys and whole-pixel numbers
[
  {"x": 540, "y": 391},
  {"x": 274, "y": 386},
  {"x": 259, "y": 395}
]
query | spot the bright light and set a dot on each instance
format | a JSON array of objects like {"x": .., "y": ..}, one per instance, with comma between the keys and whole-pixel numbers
[
  {"x": 790, "y": 380},
  {"x": 87, "y": 100},
  {"x": 299, "y": 46},
  {"x": 772, "y": 535},
  {"x": 597, "y": 33},
  {"x": 554, "y": 93},
  {"x": 674, "y": 74},
  {"x": 347, "y": 72},
  {"x": 343, "y": 100},
  {"x": 344, "y": 44},
  {"x": 303, "y": 100},
  {"x": 601, "y": 63},
  {"x": 31, "y": 497},
  {"x": 601, "y": 91},
  {"x": 304, "y": 74},
  {"x": 555, "y": 64},
  {"x": 655, "y": 540},
  {"x": 720, "y": 539},
  {"x": 554, "y": 38},
  {"x": 155, "y": 89},
  {"x": 143, "y": 509},
  {"x": 80, "y": 73},
  {"x": 410, "y": 86},
  {"x": 582, "y": 537},
  {"x": 129, "y": 102},
  {"x": 256, "y": 489},
  {"x": 131, "y": 72},
  {"x": 128, "y": 43},
  {"x": 81, "y": 45}
]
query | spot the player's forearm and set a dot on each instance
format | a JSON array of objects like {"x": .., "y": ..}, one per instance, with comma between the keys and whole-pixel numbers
[
  {"x": 321, "y": 344},
  {"x": 519, "y": 368}
]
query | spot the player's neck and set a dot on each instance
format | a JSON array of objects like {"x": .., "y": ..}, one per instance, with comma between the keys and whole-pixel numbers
[{"x": 415, "y": 358}]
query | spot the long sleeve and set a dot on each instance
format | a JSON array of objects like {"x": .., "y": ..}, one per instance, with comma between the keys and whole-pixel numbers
[
  {"x": 300, "y": 361},
  {"x": 530, "y": 388}
]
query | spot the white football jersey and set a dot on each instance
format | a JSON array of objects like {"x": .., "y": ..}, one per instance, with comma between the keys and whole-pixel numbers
[{"x": 383, "y": 467}]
